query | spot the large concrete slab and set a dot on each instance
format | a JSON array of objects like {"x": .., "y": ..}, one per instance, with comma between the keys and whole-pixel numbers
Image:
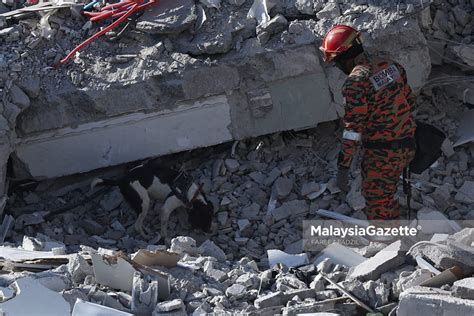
[
  {"x": 385, "y": 260},
  {"x": 430, "y": 301},
  {"x": 464, "y": 288},
  {"x": 126, "y": 138}
]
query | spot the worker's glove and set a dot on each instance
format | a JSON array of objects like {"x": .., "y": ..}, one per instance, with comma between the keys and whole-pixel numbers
[{"x": 342, "y": 179}]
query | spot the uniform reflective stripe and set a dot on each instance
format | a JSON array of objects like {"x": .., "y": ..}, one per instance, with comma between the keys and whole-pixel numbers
[{"x": 351, "y": 135}]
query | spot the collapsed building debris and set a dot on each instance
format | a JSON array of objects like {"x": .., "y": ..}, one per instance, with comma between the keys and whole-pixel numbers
[{"x": 234, "y": 61}]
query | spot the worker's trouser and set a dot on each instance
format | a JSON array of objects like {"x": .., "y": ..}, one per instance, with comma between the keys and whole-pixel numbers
[{"x": 381, "y": 171}]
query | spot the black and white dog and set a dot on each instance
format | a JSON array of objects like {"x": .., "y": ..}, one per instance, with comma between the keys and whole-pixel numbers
[{"x": 174, "y": 188}]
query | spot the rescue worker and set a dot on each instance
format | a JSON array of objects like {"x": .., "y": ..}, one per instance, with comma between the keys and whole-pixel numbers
[{"x": 378, "y": 115}]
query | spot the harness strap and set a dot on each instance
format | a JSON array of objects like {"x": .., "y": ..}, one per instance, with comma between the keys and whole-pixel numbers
[
  {"x": 180, "y": 187},
  {"x": 407, "y": 142},
  {"x": 196, "y": 194}
]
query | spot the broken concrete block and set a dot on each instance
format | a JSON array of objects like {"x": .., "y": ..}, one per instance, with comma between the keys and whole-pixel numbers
[
  {"x": 442, "y": 196},
  {"x": 29, "y": 219},
  {"x": 409, "y": 279},
  {"x": 251, "y": 211},
  {"x": 30, "y": 243},
  {"x": 19, "y": 97},
  {"x": 464, "y": 288},
  {"x": 318, "y": 283},
  {"x": 117, "y": 275},
  {"x": 466, "y": 53},
  {"x": 265, "y": 30},
  {"x": 310, "y": 307},
  {"x": 431, "y": 301},
  {"x": 31, "y": 86},
  {"x": 282, "y": 187},
  {"x": 339, "y": 254},
  {"x": 184, "y": 244},
  {"x": 290, "y": 282},
  {"x": 277, "y": 256},
  {"x": 243, "y": 224},
  {"x": 144, "y": 293},
  {"x": 92, "y": 227},
  {"x": 465, "y": 193},
  {"x": 236, "y": 290},
  {"x": 78, "y": 268},
  {"x": 170, "y": 17},
  {"x": 355, "y": 199},
  {"x": 310, "y": 187},
  {"x": 325, "y": 295},
  {"x": 169, "y": 306},
  {"x": 330, "y": 11},
  {"x": 447, "y": 148},
  {"x": 209, "y": 248},
  {"x": 295, "y": 247},
  {"x": 246, "y": 280},
  {"x": 31, "y": 297},
  {"x": 387, "y": 259},
  {"x": 465, "y": 236},
  {"x": 292, "y": 208},
  {"x": 432, "y": 222},
  {"x": 269, "y": 300},
  {"x": 325, "y": 266},
  {"x": 447, "y": 256},
  {"x": 301, "y": 293},
  {"x": 232, "y": 165},
  {"x": 216, "y": 274},
  {"x": 377, "y": 292},
  {"x": 83, "y": 308}
]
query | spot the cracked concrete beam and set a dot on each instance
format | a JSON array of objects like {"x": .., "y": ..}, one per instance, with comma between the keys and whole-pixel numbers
[{"x": 126, "y": 138}]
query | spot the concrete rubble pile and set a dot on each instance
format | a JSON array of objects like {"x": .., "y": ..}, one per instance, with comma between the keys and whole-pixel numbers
[
  {"x": 262, "y": 190},
  {"x": 191, "y": 280},
  {"x": 78, "y": 249},
  {"x": 181, "y": 61}
]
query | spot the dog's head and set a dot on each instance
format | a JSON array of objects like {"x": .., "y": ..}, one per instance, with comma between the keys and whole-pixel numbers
[{"x": 200, "y": 215}]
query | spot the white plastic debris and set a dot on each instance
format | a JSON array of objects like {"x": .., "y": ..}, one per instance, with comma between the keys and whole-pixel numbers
[
  {"x": 277, "y": 256},
  {"x": 31, "y": 297},
  {"x": 82, "y": 308},
  {"x": 117, "y": 276},
  {"x": 339, "y": 254}
]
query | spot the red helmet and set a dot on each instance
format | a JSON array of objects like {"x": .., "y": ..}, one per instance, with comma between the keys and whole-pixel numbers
[{"x": 337, "y": 40}]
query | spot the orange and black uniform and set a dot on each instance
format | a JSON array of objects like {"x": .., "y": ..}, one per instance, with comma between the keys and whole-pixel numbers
[{"x": 378, "y": 114}]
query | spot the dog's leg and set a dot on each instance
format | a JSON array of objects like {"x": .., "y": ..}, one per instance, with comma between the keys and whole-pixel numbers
[
  {"x": 183, "y": 218},
  {"x": 169, "y": 206},
  {"x": 141, "y": 217}
]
